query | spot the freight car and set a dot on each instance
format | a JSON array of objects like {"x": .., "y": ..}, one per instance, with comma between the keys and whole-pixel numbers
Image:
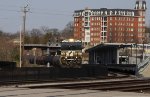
[{"x": 69, "y": 56}]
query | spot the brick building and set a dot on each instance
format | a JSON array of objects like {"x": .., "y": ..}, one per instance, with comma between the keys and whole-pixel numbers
[{"x": 104, "y": 25}]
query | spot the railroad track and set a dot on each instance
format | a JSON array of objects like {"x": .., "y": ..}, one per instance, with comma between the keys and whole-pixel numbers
[
  {"x": 62, "y": 80},
  {"x": 134, "y": 85}
]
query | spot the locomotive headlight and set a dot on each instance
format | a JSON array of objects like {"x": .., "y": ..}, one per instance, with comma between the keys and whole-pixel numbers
[{"x": 71, "y": 40}]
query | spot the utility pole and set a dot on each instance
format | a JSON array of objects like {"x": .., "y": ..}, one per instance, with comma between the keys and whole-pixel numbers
[{"x": 24, "y": 11}]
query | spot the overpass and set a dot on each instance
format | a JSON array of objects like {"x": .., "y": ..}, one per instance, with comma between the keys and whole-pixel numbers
[{"x": 52, "y": 46}]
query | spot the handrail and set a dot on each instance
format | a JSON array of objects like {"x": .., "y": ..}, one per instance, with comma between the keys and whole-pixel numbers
[{"x": 143, "y": 64}]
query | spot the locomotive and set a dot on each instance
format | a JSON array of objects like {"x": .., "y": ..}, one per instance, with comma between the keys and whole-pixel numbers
[{"x": 69, "y": 55}]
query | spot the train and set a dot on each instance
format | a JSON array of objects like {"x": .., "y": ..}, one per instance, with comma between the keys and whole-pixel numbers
[{"x": 69, "y": 55}]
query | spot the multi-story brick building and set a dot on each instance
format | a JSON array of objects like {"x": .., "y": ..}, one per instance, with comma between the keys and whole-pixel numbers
[{"x": 94, "y": 26}]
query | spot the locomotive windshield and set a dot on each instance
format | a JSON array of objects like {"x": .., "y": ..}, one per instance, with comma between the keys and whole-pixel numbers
[{"x": 71, "y": 46}]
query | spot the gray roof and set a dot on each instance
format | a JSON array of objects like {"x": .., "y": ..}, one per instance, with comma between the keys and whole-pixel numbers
[{"x": 108, "y": 45}]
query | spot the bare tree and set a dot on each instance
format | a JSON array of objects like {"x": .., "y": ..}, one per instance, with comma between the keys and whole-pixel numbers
[
  {"x": 7, "y": 49},
  {"x": 68, "y": 30},
  {"x": 36, "y": 34},
  {"x": 27, "y": 38}
]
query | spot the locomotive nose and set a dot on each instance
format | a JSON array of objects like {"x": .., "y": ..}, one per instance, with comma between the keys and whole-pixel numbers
[
  {"x": 71, "y": 53},
  {"x": 71, "y": 61}
]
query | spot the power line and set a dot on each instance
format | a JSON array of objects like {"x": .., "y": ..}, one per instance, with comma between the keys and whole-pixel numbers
[
  {"x": 38, "y": 12},
  {"x": 48, "y": 10},
  {"x": 9, "y": 10},
  {"x": 55, "y": 10},
  {"x": 46, "y": 13},
  {"x": 14, "y": 6}
]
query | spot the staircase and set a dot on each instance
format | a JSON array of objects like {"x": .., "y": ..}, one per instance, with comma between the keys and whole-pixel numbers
[{"x": 143, "y": 68}]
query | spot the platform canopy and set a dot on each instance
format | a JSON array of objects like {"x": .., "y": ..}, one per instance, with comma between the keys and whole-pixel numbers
[
  {"x": 106, "y": 53},
  {"x": 110, "y": 45}
]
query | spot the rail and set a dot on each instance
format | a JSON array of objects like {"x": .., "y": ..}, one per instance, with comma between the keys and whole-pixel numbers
[{"x": 134, "y": 85}]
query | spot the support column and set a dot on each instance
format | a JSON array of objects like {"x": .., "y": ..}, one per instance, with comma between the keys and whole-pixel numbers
[{"x": 118, "y": 51}]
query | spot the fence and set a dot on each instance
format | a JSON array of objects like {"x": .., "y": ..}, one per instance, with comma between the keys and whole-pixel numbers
[{"x": 51, "y": 73}]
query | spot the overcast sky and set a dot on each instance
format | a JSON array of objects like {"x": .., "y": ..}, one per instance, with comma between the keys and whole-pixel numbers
[{"x": 52, "y": 13}]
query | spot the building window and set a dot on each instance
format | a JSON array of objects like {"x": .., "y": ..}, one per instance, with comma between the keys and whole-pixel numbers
[
  {"x": 121, "y": 29},
  {"x": 140, "y": 19},
  {"x": 110, "y": 18},
  {"x": 132, "y": 13},
  {"x": 86, "y": 13},
  {"x": 110, "y": 29},
  {"x": 92, "y": 18},
  {"x": 110, "y": 33},
  {"x": 129, "y": 19},
  {"x": 124, "y": 18},
  {"x": 82, "y": 24},
  {"x": 99, "y": 18},
  {"x": 82, "y": 29},
  {"x": 111, "y": 12}
]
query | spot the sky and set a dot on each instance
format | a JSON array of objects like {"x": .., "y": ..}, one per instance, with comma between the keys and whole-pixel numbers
[{"x": 53, "y": 13}]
